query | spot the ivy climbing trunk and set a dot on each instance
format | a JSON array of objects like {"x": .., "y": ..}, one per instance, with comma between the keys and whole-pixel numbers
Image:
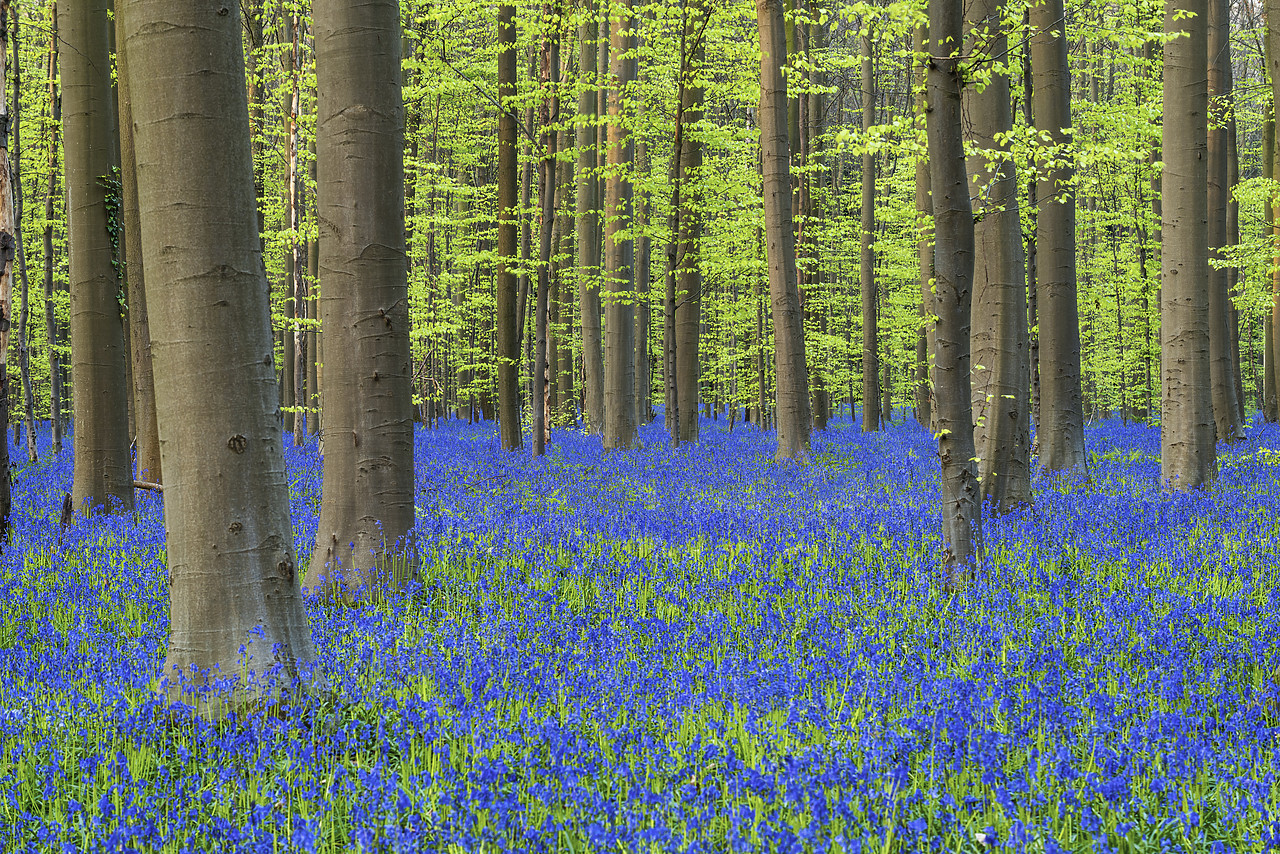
[
  {"x": 103, "y": 472},
  {"x": 366, "y": 509}
]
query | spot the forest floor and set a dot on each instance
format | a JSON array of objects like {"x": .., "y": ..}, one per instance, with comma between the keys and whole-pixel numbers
[{"x": 698, "y": 650}]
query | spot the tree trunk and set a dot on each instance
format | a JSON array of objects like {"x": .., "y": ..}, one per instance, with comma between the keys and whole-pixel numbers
[
  {"x": 867, "y": 275},
  {"x": 549, "y": 114},
  {"x": 1001, "y": 377},
  {"x": 924, "y": 240},
  {"x": 644, "y": 378},
  {"x": 366, "y": 509},
  {"x": 1060, "y": 430},
  {"x": 103, "y": 474},
  {"x": 793, "y": 418},
  {"x": 688, "y": 309},
  {"x": 146, "y": 436},
  {"x": 8, "y": 249},
  {"x": 588, "y": 222},
  {"x": 1270, "y": 390},
  {"x": 506, "y": 334},
  {"x": 1187, "y": 454},
  {"x": 953, "y": 272},
  {"x": 619, "y": 356},
  {"x": 1222, "y": 363},
  {"x": 235, "y": 602},
  {"x": 51, "y": 189}
]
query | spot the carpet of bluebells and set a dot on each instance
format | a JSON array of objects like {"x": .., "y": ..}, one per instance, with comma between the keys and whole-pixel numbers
[{"x": 690, "y": 650}]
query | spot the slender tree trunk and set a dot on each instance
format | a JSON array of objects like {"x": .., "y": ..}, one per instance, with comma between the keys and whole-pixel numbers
[
  {"x": 1270, "y": 390},
  {"x": 1187, "y": 454},
  {"x": 924, "y": 239},
  {"x": 508, "y": 339},
  {"x": 619, "y": 356},
  {"x": 688, "y": 308},
  {"x": 8, "y": 248},
  {"x": 147, "y": 436},
  {"x": 588, "y": 221},
  {"x": 51, "y": 188},
  {"x": 1233, "y": 273},
  {"x": 235, "y": 603},
  {"x": 103, "y": 474},
  {"x": 1060, "y": 429},
  {"x": 867, "y": 276},
  {"x": 793, "y": 417},
  {"x": 550, "y": 77},
  {"x": 644, "y": 378},
  {"x": 314, "y": 360},
  {"x": 1226, "y": 407},
  {"x": 953, "y": 272},
  {"x": 24, "y": 346},
  {"x": 1273, "y": 71},
  {"x": 815, "y": 163},
  {"x": 366, "y": 508}
]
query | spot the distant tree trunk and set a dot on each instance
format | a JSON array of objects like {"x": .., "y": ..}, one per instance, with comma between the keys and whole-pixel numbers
[
  {"x": 644, "y": 378},
  {"x": 1233, "y": 273},
  {"x": 8, "y": 247},
  {"x": 588, "y": 221},
  {"x": 1187, "y": 453},
  {"x": 24, "y": 347},
  {"x": 1001, "y": 377},
  {"x": 506, "y": 334},
  {"x": 51, "y": 189},
  {"x": 147, "y": 436},
  {"x": 953, "y": 271},
  {"x": 103, "y": 474},
  {"x": 1060, "y": 430},
  {"x": 867, "y": 277},
  {"x": 549, "y": 114},
  {"x": 794, "y": 417},
  {"x": 1222, "y": 363},
  {"x": 1270, "y": 390},
  {"x": 620, "y": 346},
  {"x": 924, "y": 240},
  {"x": 314, "y": 360},
  {"x": 235, "y": 602},
  {"x": 688, "y": 313},
  {"x": 366, "y": 508}
]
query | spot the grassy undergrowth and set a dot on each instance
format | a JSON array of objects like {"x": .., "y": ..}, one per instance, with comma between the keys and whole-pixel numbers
[{"x": 697, "y": 650}]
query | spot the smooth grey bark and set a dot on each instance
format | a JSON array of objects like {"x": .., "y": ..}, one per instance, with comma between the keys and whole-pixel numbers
[
  {"x": 1272, "y": 49},
  {"x": 643, "y": 247},
  {"x": 507, "y": 339},
  {"x": 588, "y": 221},
  {"x": 103, "y": 470},
  {"x": 619, "y": 355},
  {"x": 24, "y": 348},
  {"x": 235, "y": 603},
  {"x": 1270, "y": 391},
  {"x": 867, "y": 268},
  {"x": 1188, "y": 457},
  {"x": 1001, "y": 378},
  {"x": 51, "y": 187},
  {"x": 792, "y": 376},
  {"x": 1060, "y": 430},
  {"x": 146, "y": 431},
  {"x": 1222, "y": 362},
  {"x": 953, "y": 294},
  {"x": 366, "y": 508},
  {"x": 549, "y": 76},
  {"x": 924, "y": 238},
  {"x": 688, "y": 308}
]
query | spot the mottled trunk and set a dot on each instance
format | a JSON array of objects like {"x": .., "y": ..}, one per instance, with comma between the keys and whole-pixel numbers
[
  {"x": 953, "y": 272},
  {"x": 234, "y": 598},
  {"x": 793, "y": 412},
  {"x": 1060, "y": 428},
  {"x": 1222, "y": 362},
  {"x": 506, "y": 335},
  {"x": 1001, "y": 375},
  {"x": 1187, "y": 455},
  {"x": 366, "y": 508},
  {"x": 620, "y": 330},
  {"x": 103, "y": 473}
]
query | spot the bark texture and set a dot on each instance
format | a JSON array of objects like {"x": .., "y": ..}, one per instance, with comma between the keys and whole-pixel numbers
[
  {"x": 366, "y": 510},
  {"x": 953, "y": 294},
  {"x": 1060, "y": 430},
  {"x": 793, "y": 410},
  {"x": 103, "y": 472},
  {"x": 620, "y": 330},
  {"x": 588, "y": 222},
  {"x": 999, "y": 346},
  {"x": 1187, "y": 454},
  {"x": 235, "y": 602},
  {"x": 688, "y": 311},
  {"x": 507, "y": 339}
]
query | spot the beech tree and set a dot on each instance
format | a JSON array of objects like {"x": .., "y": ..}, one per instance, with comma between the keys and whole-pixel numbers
[
  {"x": 235, "y": 604},
  {"x": 366, "y": 511},
  {"x": 508, "y": 341},
  {"x": 103, "y": 473}
]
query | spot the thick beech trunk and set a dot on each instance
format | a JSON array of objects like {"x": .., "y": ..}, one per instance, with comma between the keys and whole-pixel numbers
[{"x": 619, "y": 355}]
